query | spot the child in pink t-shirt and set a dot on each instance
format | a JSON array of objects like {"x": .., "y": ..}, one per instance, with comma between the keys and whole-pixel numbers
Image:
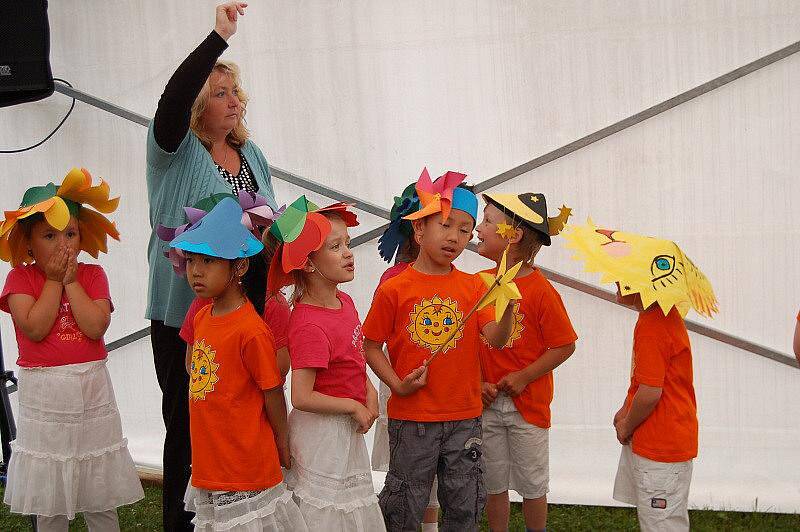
[
  {"x": 334, "y": 402},
  {"x": 70, "y": 455}
]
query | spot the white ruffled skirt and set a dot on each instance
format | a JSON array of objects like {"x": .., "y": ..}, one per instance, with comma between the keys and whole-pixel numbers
[
  {"x": 70, "y": 455},
  {"x": 244, "y": 511},
  {"x": 331, "y": 476}
]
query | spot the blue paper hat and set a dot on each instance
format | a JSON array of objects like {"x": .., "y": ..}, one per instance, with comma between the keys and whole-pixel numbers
[
  {"x": 220, "y": 233},
  {"x": 466, "y": 201}
]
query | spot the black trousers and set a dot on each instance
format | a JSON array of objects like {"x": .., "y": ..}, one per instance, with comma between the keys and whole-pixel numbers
[{"x": 169, "y": 355}]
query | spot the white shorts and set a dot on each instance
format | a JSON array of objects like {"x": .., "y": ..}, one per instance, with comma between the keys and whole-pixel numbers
[
  {"x": 516, "y": 453},
  {"x": 659, "y": 490}
]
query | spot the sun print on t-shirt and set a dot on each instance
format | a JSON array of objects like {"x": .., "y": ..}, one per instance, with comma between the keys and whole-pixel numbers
[
  {"x": 203, "y": 371},
  {"x": 432, "y": 323},
  {"x": 516, "y": 331}
]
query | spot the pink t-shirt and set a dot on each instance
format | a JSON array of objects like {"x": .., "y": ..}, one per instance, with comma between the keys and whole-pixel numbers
[
  {"x": 65, "y": 343},
  {"x": 276, "y": 316},
  {"x": 392, "y": 271},
  {"x": 330, "y": 341}
]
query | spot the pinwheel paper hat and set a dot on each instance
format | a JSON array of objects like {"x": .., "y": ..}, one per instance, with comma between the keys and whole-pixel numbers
[
  {"x": 220, "y": 234},
  {"x": 443, "y": 195},
  {"x": 655, "y": 269},
  {"x": 258, "y": 212},
  {"x": 399, "y": 229},
  {"x": 57, "y": 204},
  {"x": 301, "y": 230},
  {"x": 530, "y": 208}
]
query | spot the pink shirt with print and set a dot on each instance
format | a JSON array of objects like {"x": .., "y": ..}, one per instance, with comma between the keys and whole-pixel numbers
[
  {"x": 65, "y": 343},
  {"x": 330, "y": 341}
]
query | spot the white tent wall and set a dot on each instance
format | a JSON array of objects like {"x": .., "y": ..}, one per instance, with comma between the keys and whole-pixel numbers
[{"x": 360, "y": 95}]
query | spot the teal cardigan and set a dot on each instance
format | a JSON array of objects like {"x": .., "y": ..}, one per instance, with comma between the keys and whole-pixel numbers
[{"x": 174, "y": 181}]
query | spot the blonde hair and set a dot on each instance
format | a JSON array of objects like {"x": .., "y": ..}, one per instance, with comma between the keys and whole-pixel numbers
[
  {"x": 238, "y": 136},
  {"x": 300, "y": 277},
  {"x": 530, "y": 243}
]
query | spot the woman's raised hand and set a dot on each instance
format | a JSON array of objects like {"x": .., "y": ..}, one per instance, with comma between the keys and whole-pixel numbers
[{"x": 227, "y": 16}]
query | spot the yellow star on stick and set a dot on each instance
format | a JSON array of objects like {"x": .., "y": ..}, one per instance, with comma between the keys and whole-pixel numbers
[{"x": 502, "y": 289}]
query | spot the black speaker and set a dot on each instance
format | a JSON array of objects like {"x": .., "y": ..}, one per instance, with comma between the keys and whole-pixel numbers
[{"x": 25, "y": 74}]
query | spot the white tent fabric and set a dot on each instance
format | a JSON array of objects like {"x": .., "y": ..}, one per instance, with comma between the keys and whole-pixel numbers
[{"x": 359, "y": 96}]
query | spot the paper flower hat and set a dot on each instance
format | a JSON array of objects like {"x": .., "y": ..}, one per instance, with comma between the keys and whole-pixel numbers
[
  {"x": 399, "y": 229},
  {"x": 72, "y": 198},
  {"x": 257, "y": 212},
  {"x": 220, "y": 234},
  {"x": 301, "y": 230},
  {"x": 443, "y": 195},
  {"x": 655, "y": 269},
  {"x": 530, "y": 208}
]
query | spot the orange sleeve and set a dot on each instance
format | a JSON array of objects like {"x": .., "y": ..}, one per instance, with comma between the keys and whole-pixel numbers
[
  {"x": 553, "y": 320},
  {"x": 258, "y": 356},
  {"x": 650, "y": 356},
  {"x": 379, "y": 322}
]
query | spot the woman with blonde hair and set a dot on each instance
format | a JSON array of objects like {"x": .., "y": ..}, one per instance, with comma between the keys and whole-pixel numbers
[{"x": 197, "y": 145}]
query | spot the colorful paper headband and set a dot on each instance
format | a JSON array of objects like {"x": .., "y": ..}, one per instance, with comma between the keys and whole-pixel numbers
[
  {"x": 301, "y": 230},
  {"x": 257, "y": 213},
  {"x": 531, "y": 209},
  {"x": 443, "y": 195},
  {"x": 399, "y": 229},
  {"x": 655, "y": 269},
  {"x": 57, "y": 205},
  {"x": 220, "y": 233}
]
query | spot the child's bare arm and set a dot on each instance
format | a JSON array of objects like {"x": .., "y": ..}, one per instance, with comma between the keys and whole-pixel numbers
[
  {"x": 36, "y": 316},
  {"x": 642, "y": 405},
  {"x": 283, "y": 360},
  {"x": 515, "y": 382},
  {"x": 498, "y": 333},
  {"x": 92, "y": 316},
  {"x": 188, "y": 359},
  {"x": 797, "y": 341},
  {"x": 383, "y": 369},
  {"x": 372, "y": 399},
  {"x": 276, "y": 413},
  {"x": 305, "y": 398}
]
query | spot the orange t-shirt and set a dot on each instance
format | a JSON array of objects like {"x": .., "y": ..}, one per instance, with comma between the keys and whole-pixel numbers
[
  {"x": 540, "y": 323},
  {"x": 662, "y": 357},
  {"x": 413, "y": 313},
  {"x": 233, "y": 361}
]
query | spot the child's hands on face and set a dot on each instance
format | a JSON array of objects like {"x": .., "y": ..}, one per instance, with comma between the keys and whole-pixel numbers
[
  {"x": 56, "y": 266},
  {"x": 71, "y": 271},
  {"x": 488, "y": 393},
  {"x": 413, "y": 381}
]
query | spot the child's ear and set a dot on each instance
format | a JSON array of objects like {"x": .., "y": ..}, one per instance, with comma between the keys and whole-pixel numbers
[
  {"x": 418, "y": 230},
  {"x": 517, "y": 238},
  {"x": 241, "y": 266}
]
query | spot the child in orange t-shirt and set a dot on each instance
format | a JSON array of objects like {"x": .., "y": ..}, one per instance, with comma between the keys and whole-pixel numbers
[
  {"x": 236, "y": 482},
  {"x": 518, "y": 379},
  {"x": 434, "y": 413},
  {"x": 657, "y": 423}
]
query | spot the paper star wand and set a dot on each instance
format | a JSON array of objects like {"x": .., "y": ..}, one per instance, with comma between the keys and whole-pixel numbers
[{"x": 501, "y": 291}]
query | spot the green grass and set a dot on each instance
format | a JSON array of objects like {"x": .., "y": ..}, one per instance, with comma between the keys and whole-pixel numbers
[{"x": 146, "y": 515}]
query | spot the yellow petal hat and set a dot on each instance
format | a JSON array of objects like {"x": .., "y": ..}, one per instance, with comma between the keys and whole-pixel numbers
[{"x": 57, "y": 204}]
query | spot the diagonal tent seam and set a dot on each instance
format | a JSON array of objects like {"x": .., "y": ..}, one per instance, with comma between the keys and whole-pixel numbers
[{"x": 503, "y": 177}]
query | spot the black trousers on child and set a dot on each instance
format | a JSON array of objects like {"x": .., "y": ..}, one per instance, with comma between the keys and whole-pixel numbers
[{"x": 169, "y": 355}]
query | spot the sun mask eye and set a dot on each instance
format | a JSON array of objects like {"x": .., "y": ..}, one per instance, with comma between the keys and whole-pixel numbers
[{"x": 662, "y": 266}]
